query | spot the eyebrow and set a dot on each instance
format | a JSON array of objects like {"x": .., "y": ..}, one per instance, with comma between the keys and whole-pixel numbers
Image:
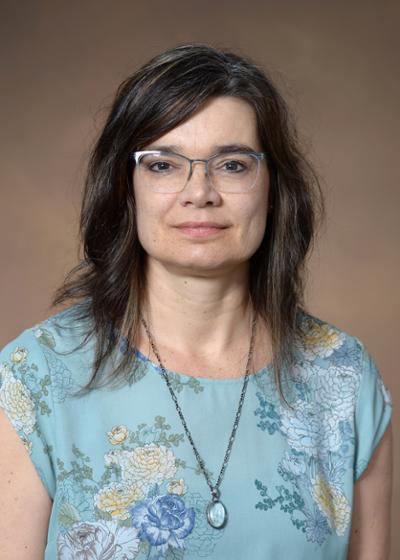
[{"x": 216, "y": 149}]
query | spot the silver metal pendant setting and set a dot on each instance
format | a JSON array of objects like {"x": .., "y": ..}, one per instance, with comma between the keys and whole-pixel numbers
[{"x": 216, "y": 514}]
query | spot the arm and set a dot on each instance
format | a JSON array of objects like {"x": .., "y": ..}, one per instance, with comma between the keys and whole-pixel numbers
[
  {"x": 25, "y": 505},
  {"x": 370, "y": 532}
]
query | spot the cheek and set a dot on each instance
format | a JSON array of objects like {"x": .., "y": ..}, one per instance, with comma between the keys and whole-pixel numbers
[
  {"x": 149, "y": 219},
  {"x": 254, "y": 222},
  {"x": 257, "y": 229},
  {"x": 144, "y": 218}
]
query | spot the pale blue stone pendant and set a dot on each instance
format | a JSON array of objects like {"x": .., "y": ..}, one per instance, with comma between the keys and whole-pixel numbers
[{"x": 216, "y": 514}]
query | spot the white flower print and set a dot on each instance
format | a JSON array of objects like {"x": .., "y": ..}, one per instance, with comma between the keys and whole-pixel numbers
[
  {"x": 335, "y": 389},
  {"x": 17, "y": 402},
  {"x": 293, "y": 464},
  {"x": 302, "y": 373},
  {"x": 149, "y": 464},
  {"x": 102, "y": 540},
  {"x": 309, "y": 431},
  {"x": 38, "y": 333},
  {"x": 4, "y": 371},
  {"x": 19, "y": 355}
]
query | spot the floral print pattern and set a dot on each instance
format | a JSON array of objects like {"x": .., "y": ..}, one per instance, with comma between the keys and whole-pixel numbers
[
  {"x": 138, "y": 489},
  {"x": 142, "y": 504},
  {"x": 319, "y": 434},
  {"x": 17, "y": 401},
  {"x": 149, "y": 464},
  {"x": 163, "y": 521},
  {"x": 22, "y": 397},
  {"x": 117, "y": 497},
  {"x": 102, "y": 540}
]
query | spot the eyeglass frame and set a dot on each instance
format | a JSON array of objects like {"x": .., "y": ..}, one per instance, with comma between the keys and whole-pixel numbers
[{"x": 258, "y": 155}]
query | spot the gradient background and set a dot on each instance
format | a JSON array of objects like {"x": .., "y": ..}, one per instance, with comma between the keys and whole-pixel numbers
[{"x": 336, "y": 62}]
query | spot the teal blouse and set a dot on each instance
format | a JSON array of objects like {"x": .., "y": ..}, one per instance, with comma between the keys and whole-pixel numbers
[{"x": 123, "y": 478}]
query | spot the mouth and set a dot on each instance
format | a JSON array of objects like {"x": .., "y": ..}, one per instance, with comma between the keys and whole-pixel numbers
[{"x": 201, "y": 229}]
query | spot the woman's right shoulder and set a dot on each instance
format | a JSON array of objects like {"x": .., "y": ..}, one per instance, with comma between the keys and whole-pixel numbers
[
  {"x": 59, "y": 344},
  {"x": 61, "y": 332}
]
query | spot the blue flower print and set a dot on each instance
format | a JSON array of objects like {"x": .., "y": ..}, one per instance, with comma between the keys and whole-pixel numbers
[{"x": 163, "y": 521}]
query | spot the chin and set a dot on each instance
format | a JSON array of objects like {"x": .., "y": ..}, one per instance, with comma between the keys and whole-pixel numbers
[{"x": 199, "y": 266}]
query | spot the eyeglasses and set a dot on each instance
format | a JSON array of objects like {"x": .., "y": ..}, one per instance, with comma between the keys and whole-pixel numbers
[{"x": 168, "y": 172}]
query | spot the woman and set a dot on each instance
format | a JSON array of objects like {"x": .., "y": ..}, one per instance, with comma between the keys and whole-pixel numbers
[{"x": 186, "y": 405}]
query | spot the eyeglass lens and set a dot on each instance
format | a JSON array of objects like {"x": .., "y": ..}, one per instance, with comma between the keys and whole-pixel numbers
[{"x": 168, "y": 173}]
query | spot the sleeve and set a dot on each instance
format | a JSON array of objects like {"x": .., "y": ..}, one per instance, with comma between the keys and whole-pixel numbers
[
  {"x": 25, "y": 397},
  {"x": 372, "y": 415}
]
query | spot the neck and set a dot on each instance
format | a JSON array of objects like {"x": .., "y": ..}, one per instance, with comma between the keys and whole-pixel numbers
[{"x": 199, "y": 315}]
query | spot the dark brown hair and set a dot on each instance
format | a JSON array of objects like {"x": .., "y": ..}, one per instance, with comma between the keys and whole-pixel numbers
[{"x": 108, "y": 283}]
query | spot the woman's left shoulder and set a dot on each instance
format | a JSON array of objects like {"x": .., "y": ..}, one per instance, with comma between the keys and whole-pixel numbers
[
  {"x": 338, "y": 368},
  {"x": 328, "y": 346}
]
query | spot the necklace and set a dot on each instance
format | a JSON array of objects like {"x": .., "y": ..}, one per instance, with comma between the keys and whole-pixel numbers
[{"x": 216, "y": 512}]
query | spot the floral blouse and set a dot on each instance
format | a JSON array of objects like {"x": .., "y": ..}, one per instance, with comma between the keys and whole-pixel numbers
[{"x": 124, "y": 480}]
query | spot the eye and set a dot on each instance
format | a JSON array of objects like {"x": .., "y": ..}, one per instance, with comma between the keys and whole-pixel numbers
[
  {"x": 234, "y": 165},
  {"x": 231, "y": 166},
  {"x": 159, "y": 166}
]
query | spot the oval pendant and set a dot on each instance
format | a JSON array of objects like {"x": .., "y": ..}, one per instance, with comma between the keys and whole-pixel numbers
[{"x": 216, "y": 514}]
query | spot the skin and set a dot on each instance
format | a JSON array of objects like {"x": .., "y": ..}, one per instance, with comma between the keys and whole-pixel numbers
[
  {"x": 25, "y": 506},
  {"x": 200, "y": 287},
  {"x": 200, "y": 284},
  {"x": 370, "y": 531},
  {"x": 226, "y": 120}
]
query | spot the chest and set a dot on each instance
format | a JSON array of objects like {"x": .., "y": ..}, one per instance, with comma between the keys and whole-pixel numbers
[{"x": 126, "y": 463}]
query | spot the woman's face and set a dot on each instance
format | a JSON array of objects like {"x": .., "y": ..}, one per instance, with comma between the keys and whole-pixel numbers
[{"x": 221, "y": 121}]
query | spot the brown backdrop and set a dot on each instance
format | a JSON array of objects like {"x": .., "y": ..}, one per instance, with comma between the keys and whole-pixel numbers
[{"x": 337, "y": 63}]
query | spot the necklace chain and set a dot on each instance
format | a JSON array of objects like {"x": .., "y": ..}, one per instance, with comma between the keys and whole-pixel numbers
[{"x": 214, "y": 489}]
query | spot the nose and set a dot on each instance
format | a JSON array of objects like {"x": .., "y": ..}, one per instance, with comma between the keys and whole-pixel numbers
[{"x": 198, "y": 191}]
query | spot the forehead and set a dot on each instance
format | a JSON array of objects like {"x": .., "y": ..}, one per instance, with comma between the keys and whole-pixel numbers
[{"x": 221, "y": 120}]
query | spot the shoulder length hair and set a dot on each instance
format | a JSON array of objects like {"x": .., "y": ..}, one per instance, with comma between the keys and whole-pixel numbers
[{"x": 109, "y": 280}]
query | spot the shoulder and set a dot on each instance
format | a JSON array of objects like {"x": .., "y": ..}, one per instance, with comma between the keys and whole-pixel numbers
[
  {"x": 50, "y": 351},
  {"x": 332, "y": 359},
  {"x": 328, "y": 345},
  {"x": 335, "y": 363},
  {"x": 35, "y": 379},
  {"x": 62, "y": 330}
]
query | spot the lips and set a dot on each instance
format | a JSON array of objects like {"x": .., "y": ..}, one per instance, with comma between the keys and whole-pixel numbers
[
  {"x": 201, "y": 229},
  {"x": 193, "y": 225}
]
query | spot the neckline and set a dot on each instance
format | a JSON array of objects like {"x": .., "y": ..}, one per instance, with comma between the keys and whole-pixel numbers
[{"x": 204, "y": 380}]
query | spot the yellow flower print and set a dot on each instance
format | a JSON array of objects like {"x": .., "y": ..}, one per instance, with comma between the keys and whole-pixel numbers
[
  {"x": 117, "y": 497},
  {"x": 333, "y": 504},
  {"x": 177, "y": 487},
  {"x": 147, "y": 465},
  {"x": 321, "y": 340},
  {"x": 17, "y": 402},
  {"x": 118, "y": 434},
  {"x": 19, "y": 355}
]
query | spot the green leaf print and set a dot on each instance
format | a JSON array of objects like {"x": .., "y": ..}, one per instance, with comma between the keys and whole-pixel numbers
[
  {"x": 46, "y": 338},
  {"x": 174, "y": 439},
  {"x": 177, "y": 383},
  {"x": 175, "y": 554},
  {"x": 102, "y": 515},
  {"x": 160, "y": 424},
  {"x": 44, "y": 383},
  {"x": 68, "y": 515}
]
